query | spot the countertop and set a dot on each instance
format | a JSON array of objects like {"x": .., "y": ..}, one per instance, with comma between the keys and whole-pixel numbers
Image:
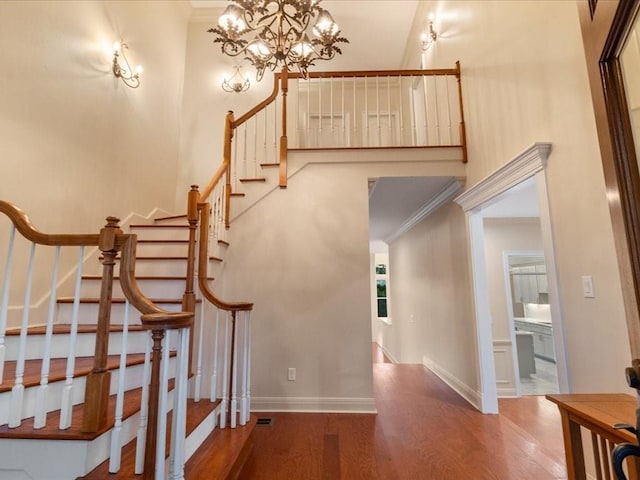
[{"x": 535, "y": 321}]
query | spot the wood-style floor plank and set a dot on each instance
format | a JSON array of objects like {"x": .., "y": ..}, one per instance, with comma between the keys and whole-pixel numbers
[{"x": 423, "y": 431}]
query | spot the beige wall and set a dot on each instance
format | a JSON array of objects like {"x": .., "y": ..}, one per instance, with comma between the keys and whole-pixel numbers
[
  {"x": 500, "y": 235},
  {"x": 77, "y": 145},
  {"x": 525, "y": 80},
  {"x": 431, "y": 305}
]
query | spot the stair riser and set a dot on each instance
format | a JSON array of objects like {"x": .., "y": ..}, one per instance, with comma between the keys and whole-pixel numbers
[
  {"x": 85, "y": 345},
  {"x": 161, "y": 233},
  {"x": 157, "y": 268},
  {"x": 89, "y": 313},
  {"x": 133, "y": 379},
  {"x": 151, "y": 288},
  {"x": 161, "y": 249}
]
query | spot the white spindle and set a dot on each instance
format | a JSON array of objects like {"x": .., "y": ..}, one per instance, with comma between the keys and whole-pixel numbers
[
  {"x": 264, "y": 146},
  {"x": 244, "y": 405},
  {"x": 67, "y": 392},
  {"x": 344, "y": 132},
  {"x": 449, "y": 111},
  {"x": 225, "y": 374},
  {"x": 245, "y": 171},
  {"x": 319, "y": 133},
  {"x": 40, "y": 418},
  {"x": 17, "y": 392},
  {"x": 163, "y": 408},
  {"x": 366, "y": 136},
  {"x": 331, "y": 109},
  {"x": 4, "y": 305},
  {"x": 379, "y": 140},
  {"x": 389, "y": 110},
  {"x": 179, "y": 418},
  {"x": 248, "y": 368},
  {"x": 355, "y": 115},
  {"x": 308, "y": 137},
  {"x": 401, "y": 139},
  {"x": 275, "y": 128},
  {"x": 214, "y": 375},
  {"x": 255, "y": 146},
  {"x": 236, "y": 162},
  {"x": 116, "y": 442},
  {"x": 198, "y": 381},
  {"x": 234, "y": 375},
  {"x": 426, "y": 109},
  {"x": 436, "y": 111},
  {"x": 412, "y": 104},
  {"x": 144, "y": 409}
]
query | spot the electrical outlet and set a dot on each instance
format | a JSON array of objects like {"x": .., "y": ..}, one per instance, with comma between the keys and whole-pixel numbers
[{"x": 291, "y": 374}]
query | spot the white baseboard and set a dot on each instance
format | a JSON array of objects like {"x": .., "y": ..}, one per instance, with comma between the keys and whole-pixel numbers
[
  {"x": 507, "y": 392},
  {"x": 386, "y": 352},
  {"x": 461, "y": 388},
  {"x": 313, "y": 404}
]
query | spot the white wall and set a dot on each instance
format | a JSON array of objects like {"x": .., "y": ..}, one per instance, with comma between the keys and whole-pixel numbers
[
  {"x": 524, "y": 80},
  {"x": 77, "y": 145}
]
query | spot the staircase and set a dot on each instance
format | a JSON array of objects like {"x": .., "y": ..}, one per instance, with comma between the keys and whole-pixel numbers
[{"x": 161, "y": 266}]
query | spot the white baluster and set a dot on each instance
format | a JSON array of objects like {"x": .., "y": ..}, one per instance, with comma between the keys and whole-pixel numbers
[
  {"x": 379, "y": 140},
  {"x": 17, "y": 392},
  {"x": 255, "y": 146},
  {"x": 225, "y": 374},
  {"x": 144, "y": 409},
  {"x": 355, "y": 115},
  {"x": 449, "y": 111},
  {"x": 198, "y": 380},
  {"x": 179, "y": 418},
  {"x": 390, "y": 127},
  {"x": 319, "y": 132},
  {"x": 66, "y": 405},
  {"x": 4, "y": 305},
  {"x": 40, "y": 419},
  {"x": 298, "y": 141},
  {"x": 248, "y": 367},
  {"x": 163, "y": 406},
  {"x": 245, "y": 172},
  {"x": 412, "y": 103},
  {"x": 116, "y": 443},
  {"x": 308, "y": 137},
  {"x": 426, "y": 109},
  {"x": 234, "y": 375},
  {"x": 436, "y": 110},
  {"x": 343, "y": 143},
  {"x": 401, "y": 140},
  {"x": 244, "y": 406},
  {"x": 333, "y": 140},
  {"x": 236, "y": 162},
  {"x": 214, "y": 375},
  {"x": 365, "y": 137}
]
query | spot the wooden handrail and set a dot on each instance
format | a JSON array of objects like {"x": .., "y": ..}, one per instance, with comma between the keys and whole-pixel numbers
[
  {"x": 378, "y": 73},
  {"x": 26, "y": 228},
  {"x": 263, "y": 104},
  {"x": 202, "y": 267}
]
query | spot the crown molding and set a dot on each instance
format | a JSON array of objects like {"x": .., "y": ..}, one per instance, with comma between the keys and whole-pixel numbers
[
  {"x": 524, "y": 165},
  {"x": 449, "y": 191}
]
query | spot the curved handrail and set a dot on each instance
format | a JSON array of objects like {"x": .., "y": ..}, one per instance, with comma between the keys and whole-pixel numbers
[
  {"x": 31, "y": 233},
  {"x": 261, "y": 105},
  {"x": 202, "y": 267},
  {"x": 226, "y": 158},
  {"x": 152, "y": 315}
]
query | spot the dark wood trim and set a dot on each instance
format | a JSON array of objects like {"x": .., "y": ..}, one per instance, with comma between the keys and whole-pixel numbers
[{"x": 592, "y": 7}]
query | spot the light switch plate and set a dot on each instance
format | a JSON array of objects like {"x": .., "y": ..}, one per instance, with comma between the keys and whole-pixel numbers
[{"x": 587, "y": 287}]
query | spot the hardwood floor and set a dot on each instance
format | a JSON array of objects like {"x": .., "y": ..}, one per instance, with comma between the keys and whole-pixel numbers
[{"x": 423, "y": 430}]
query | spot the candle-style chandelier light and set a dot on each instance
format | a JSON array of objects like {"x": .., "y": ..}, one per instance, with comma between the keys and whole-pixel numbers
[{"x": 278, "y": 32}]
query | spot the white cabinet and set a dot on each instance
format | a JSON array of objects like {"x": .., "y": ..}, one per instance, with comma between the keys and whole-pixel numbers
[{"x": 542, "y": 338}]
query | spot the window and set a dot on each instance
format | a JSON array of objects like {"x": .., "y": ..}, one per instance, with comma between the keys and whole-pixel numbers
[{"x": 382, "y": 291}]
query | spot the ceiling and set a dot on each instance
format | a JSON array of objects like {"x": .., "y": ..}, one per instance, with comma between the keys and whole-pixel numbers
[{"x": 394, "y": 200}]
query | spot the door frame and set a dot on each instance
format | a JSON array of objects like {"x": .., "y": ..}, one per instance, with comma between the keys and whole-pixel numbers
[{"x": 531, "y": 162}]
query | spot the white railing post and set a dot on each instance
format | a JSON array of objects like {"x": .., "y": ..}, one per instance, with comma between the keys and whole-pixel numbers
[
  {"x": 225, "y": 374},
  {"x": 66, "y": 403},
  {"x": 179, "y": 417},
  {"x": 144, "y": 409},
  {"x": 234, "y": 371},
  {"x": 163, "y": 408},
  {"x": 40, "y": 419},
  {"x": 4, "y": 304},
  {"x": 116, "y": 442},
  {"x": 17, "y": 392},
  {"x": 214, "y": 371}
]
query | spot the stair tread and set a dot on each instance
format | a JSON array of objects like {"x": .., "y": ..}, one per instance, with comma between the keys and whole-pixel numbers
[
  {"x": 120, "y": 300},
  {"x": 63, "y": 328},
  {"x": 257, "y": 179},
  {"x": 223, "y": 242},
  {"x": 223, "y": 453},
  {"x": 196, "y": 413},
  {"x": 275, "y": 164},
  {"x": 151, "y": 225},
  {"x": 182, "y": 242},
  {"x": 58, "y": 367},
  {"x": 238, "y": 194}
]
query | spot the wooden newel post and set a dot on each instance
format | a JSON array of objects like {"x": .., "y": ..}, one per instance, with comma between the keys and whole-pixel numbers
[
  {"x": 284, "y": 86},
  {"x": 154, "y": 407},
  {"x": 463, "y": 131},
  {"x": 98, "y": 381},
  {"x": 189, "y": 297}
]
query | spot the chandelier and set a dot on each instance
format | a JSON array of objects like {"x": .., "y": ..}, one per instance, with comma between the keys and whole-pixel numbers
[{"x": 280, "y": 33}]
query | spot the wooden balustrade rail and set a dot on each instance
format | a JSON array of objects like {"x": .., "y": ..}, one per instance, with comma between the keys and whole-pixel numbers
[
  {"x": 111, "y": 241},
  {"x": 597, "y": 413}
]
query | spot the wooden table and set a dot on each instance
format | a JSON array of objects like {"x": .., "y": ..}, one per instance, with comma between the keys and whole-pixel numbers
[{"x": 598, "y": 413}]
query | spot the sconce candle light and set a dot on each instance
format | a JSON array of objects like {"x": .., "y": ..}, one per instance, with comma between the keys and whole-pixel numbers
[
  {"x": 236, "y": 83},
  {"x": 124, "y": 71},
  {"x": 429, "y": 37}
]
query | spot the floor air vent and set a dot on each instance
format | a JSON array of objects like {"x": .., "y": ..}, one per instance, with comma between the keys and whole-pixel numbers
[{"x": 264, "y": 421}]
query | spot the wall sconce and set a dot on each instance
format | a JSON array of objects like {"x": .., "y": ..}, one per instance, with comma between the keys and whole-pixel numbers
[
  {"x": 429, "y": 37},
  {"x": 237, "y": 83},
  {"x": 124, "y": 71}
]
